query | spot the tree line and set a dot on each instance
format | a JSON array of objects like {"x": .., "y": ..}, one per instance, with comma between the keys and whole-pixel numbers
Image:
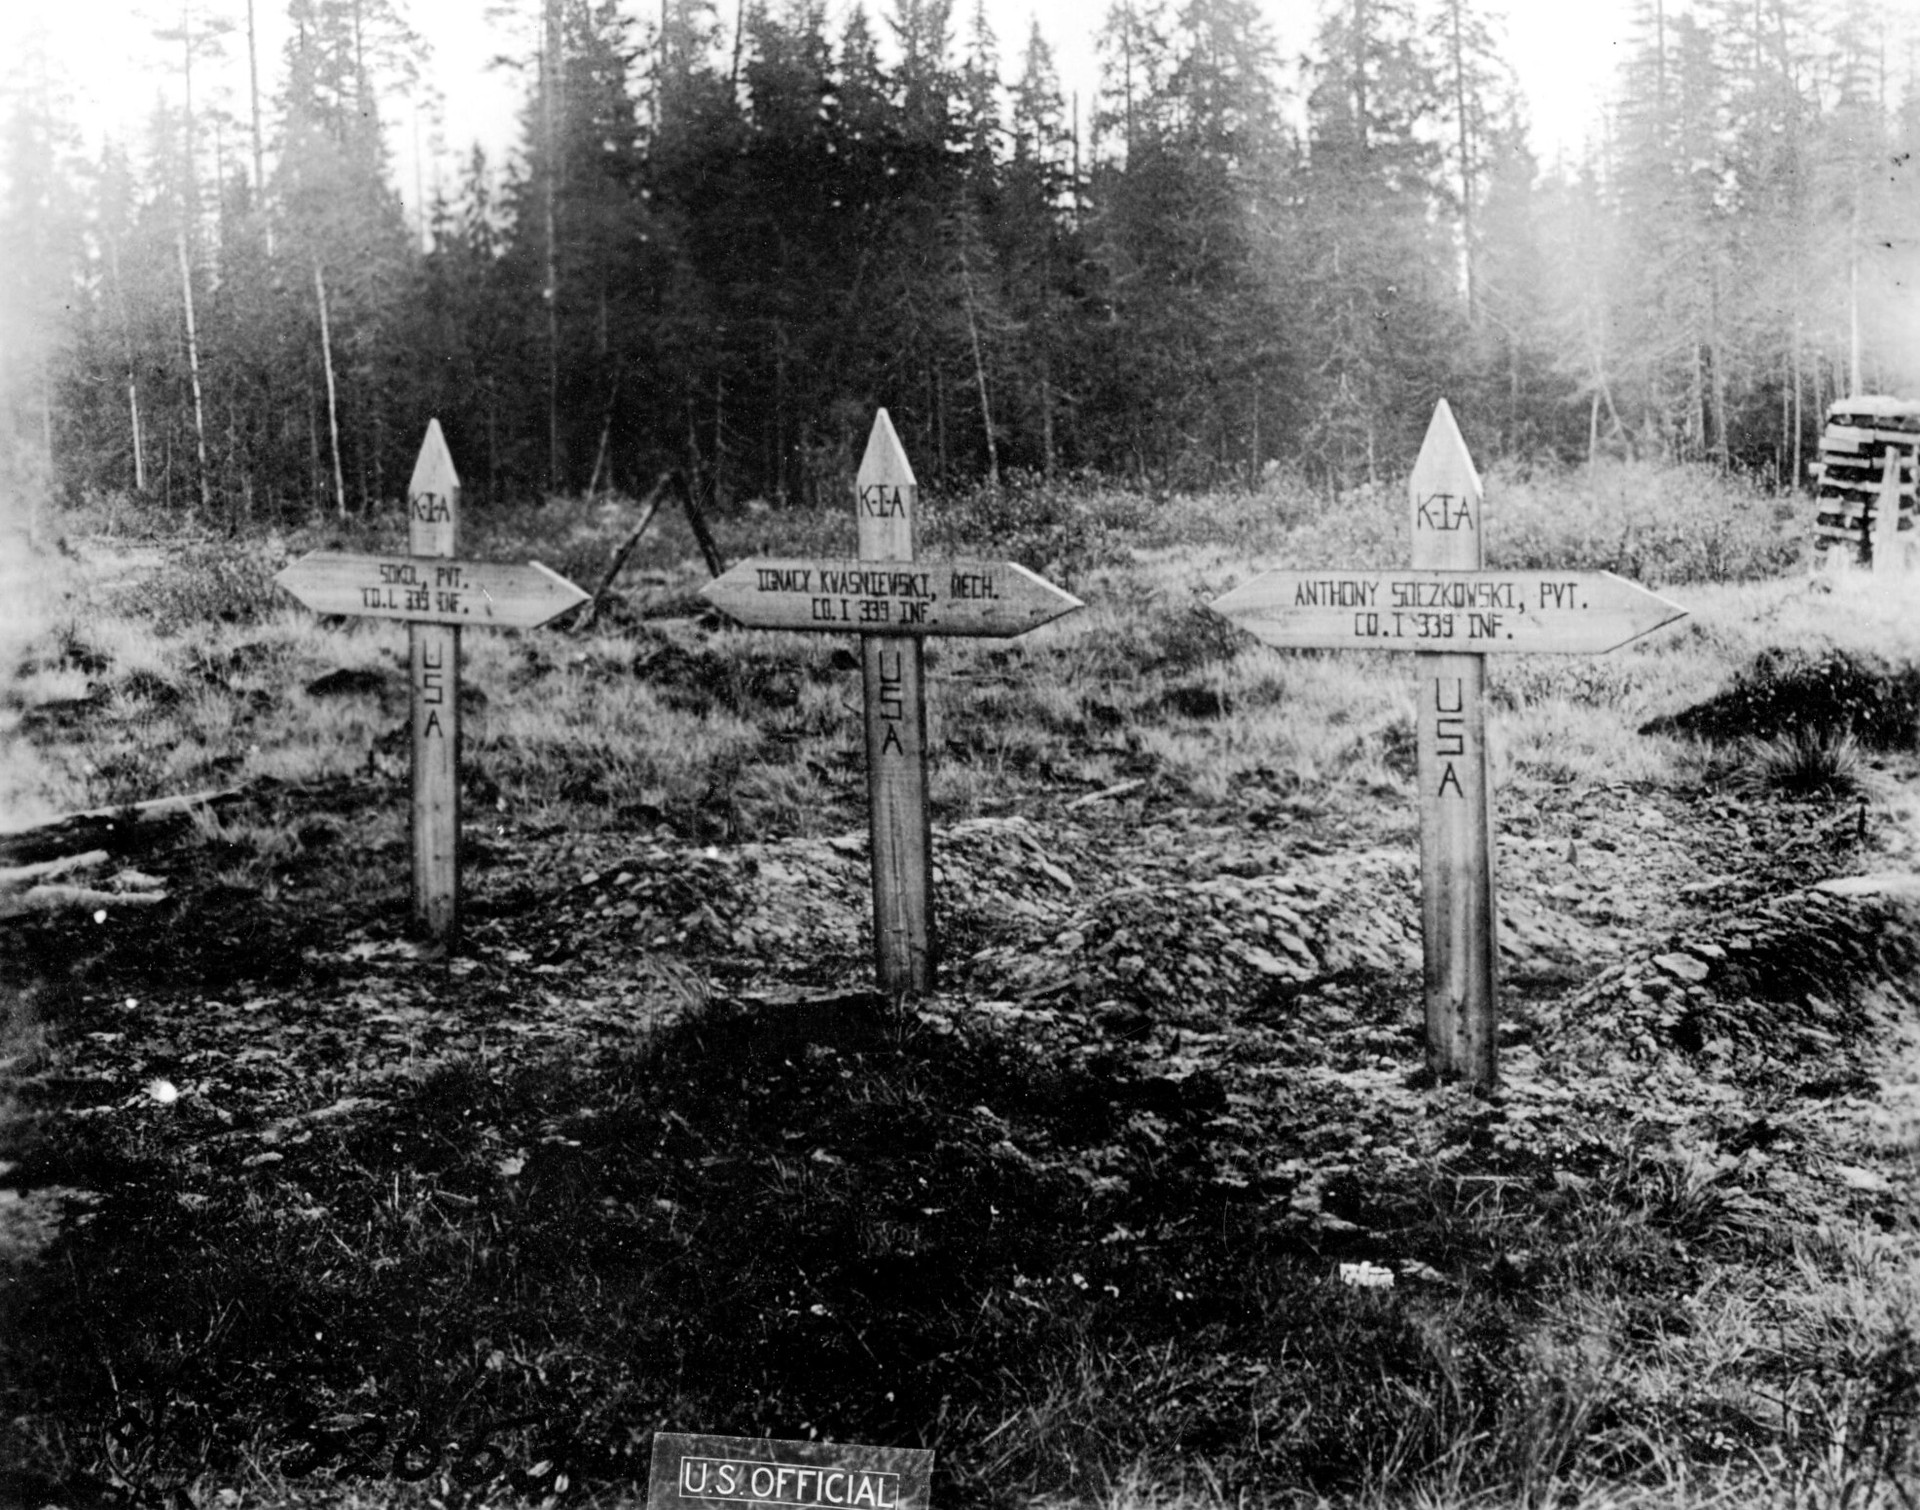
[{"x": 723, "y": 239}]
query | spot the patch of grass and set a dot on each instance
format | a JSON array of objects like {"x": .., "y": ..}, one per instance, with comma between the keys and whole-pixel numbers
[
  {"x": 1843, "y": 1373},
  {"x": 211, "y": 582},
  {"x": 1653, "y": 524},
  {"x": 1815, "y": 762},
  {"x": 1521, "y": 681},
  {"x": 1568, "y": 743}
]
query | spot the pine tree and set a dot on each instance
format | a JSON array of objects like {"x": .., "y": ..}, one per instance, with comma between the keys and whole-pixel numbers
[
  {"x": 1378, "y": 281},
  {"x": 42, "y": 263},
  {"x": 343, "y": 239},
  {"x": 1040, "y": 248}
]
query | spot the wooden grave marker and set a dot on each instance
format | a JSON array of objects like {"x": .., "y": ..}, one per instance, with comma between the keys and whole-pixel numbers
[
  {"x": 1453, "y": 614},
  {"x": 436, "y": 594},
  {"x": 892, "y": 601}
]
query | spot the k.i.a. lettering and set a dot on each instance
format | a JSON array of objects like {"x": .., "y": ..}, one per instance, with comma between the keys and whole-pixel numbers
[
  {"x": 1443, "y": 511},
  {"x": 883, "y": 501}
]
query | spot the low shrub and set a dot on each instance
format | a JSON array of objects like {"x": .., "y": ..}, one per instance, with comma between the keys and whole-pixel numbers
[
  {"x": 1650, "y": 523},
  {"x": 1063, "y": 529},
  {"x": 224, "y": 581},
  {"x": 1785, "y": 693}
]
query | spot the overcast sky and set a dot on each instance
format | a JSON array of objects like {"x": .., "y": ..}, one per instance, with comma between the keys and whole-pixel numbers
[{"x": 1563, "y": 50}]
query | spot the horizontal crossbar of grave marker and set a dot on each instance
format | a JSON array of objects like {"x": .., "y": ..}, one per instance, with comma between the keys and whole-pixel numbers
[
  {"x": 429, "y": 590},
  {"x": 1520, "y": 612},
  {"x": 986, "y": 598}
]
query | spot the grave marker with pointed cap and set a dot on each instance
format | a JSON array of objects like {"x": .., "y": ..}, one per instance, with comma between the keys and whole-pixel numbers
[
  {"x": 893, "y": 601},
  {"x": 436, "y": 595},
  {"x": 1454, "y": 614},
  {"x": 1457, "y": 920},
  {"x": 433, "y": 503},
  {"x": 896, "y": 700}
]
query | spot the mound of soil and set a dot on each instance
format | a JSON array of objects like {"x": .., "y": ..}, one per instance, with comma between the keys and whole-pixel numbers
[{"x": 1788, "y": 692}]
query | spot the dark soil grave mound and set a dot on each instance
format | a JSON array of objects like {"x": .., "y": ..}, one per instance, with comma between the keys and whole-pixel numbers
[
  {"x": 817, "y": 1216},
  {"x": 1787, "y": 691}
]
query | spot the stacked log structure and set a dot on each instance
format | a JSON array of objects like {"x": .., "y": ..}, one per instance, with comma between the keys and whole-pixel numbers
[{"x": 1864, "y": 435}]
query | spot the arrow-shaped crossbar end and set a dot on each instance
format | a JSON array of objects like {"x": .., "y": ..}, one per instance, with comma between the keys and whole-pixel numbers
[
  {"x": 1238, "y": 600},
  {"x": 1675, "y": 610},
  {"x": 571, "y": 591},
  {"x": 1674, "y": 615},
  {"x": 717, "y": 592},
  {"x": 290, "y": 575},
  {"x": 1059, "y": 601},
  {"x": 1056, "y": 610},
  {"x": 1645, "y": 600}
]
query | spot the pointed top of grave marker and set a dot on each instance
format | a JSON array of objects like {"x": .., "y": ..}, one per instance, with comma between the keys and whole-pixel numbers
[
  {"x": 433, "y": 497},
  {"x": 884, "y": 495},
  {"x": 885, "y": 459},
  {"x": 1444, "y": 496},
  {"x": 1444, "y": 463},
  {"x": 433, "y": 469}
]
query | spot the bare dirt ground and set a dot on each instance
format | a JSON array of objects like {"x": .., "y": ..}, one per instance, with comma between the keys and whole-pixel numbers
[{"x": 294, "y": 1202}]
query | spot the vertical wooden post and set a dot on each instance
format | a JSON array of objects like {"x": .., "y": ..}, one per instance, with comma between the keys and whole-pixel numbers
[
  {"x": 1456, "y": 821},
  {"x": 896, "y": 710},
  {"x": 433, "y": 499},
  {"x": 1883, "y": 540}
]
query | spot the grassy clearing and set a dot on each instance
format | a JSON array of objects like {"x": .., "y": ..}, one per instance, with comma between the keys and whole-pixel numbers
[{"x": 466, "y": 1232}]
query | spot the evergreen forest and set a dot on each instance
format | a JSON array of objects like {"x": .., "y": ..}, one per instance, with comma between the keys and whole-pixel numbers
[{"x": 726, "y": 234}]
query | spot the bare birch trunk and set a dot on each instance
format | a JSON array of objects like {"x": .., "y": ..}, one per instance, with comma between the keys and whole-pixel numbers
[
  {"x": 1253, "y": 458},
  {"x": 139, "y": 448},
  {"x": 1717, "y": 394},
  {"x": 780, "y": 412},
  {"x": 1853, "y": 299},
  {"x": 333, "y": 397},
  {"x": 1046, "y": 420},
  {"x": 133, "y": 385},
  {"x": 550, "y": 64},
  {"x": 718, "y": 492},
  {"x": 980, "y": 378},
  {"x": 1799, "y": 419},
  {"x": 253, "y": 96},
  {"x": 1466, "y": 157},
  {"x": 1786, "y": 419},
  {"x": 193, "y": 370},
  {"x": 600, "y": 465}
]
